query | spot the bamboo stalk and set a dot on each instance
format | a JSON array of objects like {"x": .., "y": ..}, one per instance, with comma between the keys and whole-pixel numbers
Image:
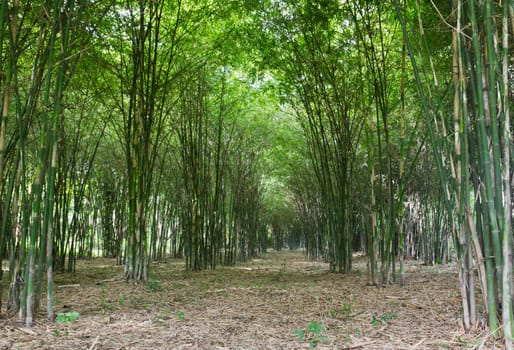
[
  {"x": 507, "y": 313},
  {"x": 492, "y": 234},
  {"x": 6, "y": 95},
  {"x": 37, "y": 187}
]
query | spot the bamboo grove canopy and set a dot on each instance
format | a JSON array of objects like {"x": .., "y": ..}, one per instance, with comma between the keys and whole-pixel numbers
[{"x": 215, "y": 130}]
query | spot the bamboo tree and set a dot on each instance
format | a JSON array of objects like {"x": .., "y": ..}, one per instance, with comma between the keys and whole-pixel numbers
[
  {"x": 507, "y": 308},
  {"x": 6, "y": 95},
  {"x": 428, "y": 108},
  {"x": 46, "y": 255},
  {"x": 477, "y": 122},
  {"x": 492, "y": 235},
  {"x": 373, "y": 239},
  {"x": 34, "y": 227},
  {"x": 192, "y": 145},
  {"x": 19, "y": 199},
  {"x": 37, "y": 186},
  {"x": 370, "y": 22},
  {"x": 145, "y": 75},
  {"x": 461, "y": 149},
  {"x": 11, "y": 27},
  {"x": 330, "y": 119}
]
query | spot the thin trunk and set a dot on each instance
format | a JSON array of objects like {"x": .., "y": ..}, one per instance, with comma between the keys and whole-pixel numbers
[
  {"x": 507, "y": 204},
  {"x": 49, "y": 244},
  {"x": 491, "y": 235},
  {"x": 6, "y": 96}
]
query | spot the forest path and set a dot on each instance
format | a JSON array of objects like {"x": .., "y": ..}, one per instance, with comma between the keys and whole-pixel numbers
[{"x": 264, "y": 304}]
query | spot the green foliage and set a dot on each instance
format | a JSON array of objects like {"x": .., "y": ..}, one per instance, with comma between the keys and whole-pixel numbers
[
  {"x": 67, "y": 317},
  {"x": 274, "y": 94},
  {"x": 315, "y": 332},
  {"x": 58, "y": 333},
  {"x": 316, "y": 327},
  {"x": 300, "y": 333},
  {"x": 384, "y": 318},
  {"x": 163, "y": 314},
  {"x": 347, "y": 309},
  {"x": 154, "y": 285},
  {"x": 181, "y": 315},
  {"x": 343, "y": 312}
]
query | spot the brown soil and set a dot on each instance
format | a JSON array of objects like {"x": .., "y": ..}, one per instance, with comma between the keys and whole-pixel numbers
[{"x": 264, "y": 304}]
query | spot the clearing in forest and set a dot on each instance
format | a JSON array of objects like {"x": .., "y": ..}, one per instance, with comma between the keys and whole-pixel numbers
[{"x": 279, "y": 301}]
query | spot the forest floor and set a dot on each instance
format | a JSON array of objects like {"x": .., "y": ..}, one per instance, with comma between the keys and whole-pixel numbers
[{"x": 279, "y": 301}]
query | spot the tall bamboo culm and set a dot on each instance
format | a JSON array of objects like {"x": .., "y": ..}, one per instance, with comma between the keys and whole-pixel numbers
[
  {"x": 482, "y": 141},
  {"x": 27, "y": 227}
]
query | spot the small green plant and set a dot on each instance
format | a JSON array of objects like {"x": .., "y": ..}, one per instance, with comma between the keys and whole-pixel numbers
[
  {"x": 106, "y": 304},
  {"x": 346, "y": 311},
  {"x": 347, "y": 308},
  {"x": 384, "y": 318},
  {"x": 57, "y": 333},
  {"x": 180, "y": 315},
  {"x": 67, "y": 317},
  {"x": 163, "y": 314},
  {"x": 153, "y": 285},
  {"x": 316, "y": 331},
  {"x": 122, "y": 299}
]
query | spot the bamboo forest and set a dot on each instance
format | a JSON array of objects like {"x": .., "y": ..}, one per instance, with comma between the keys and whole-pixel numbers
[{"x": 256, "y": 174}]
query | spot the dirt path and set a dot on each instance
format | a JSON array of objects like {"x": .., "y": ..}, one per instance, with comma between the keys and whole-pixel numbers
[{"x": 269, "y": 303}]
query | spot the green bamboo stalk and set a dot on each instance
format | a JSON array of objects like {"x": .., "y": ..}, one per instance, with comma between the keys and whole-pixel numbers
[
  {"x": 507, "y": 313},
  {"x": 373, "y": 236},
  {"x": 34, "y": 231},
  {"x": 493, "y": 70},
  {"x": 6, "y": 86},
  {"x": 427, "y": 108},
  {"x": 50, "y": 240},
  {"x": 53, "y": 140},
  {"x": 401, "y": 234},
  {"x": 460, "y": 129},
  {"x": 491, "y": 234},
  {"x": 437, "y": 155},
  {"x": 37, "y": 187},
  {"x": 25, "y": 212},
  {"x": 50, "y": 189},
  {"x": 6, "y": 94}
]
